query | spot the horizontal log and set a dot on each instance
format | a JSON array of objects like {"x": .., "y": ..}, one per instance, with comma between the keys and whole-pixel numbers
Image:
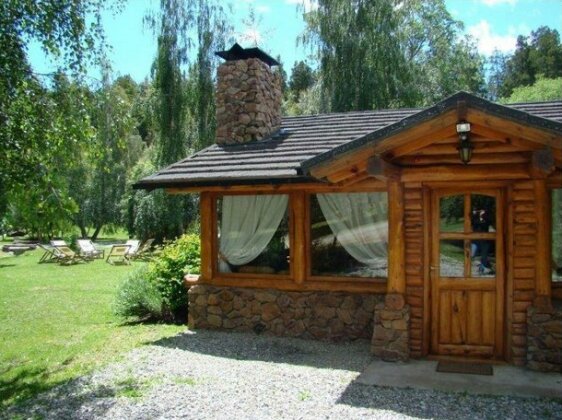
[
  {"x": 525, "y": 284},
  {"x": 524, "y": 262},
  {"x": 520, "y": 307},
  {"x": 465, "y": 172},
  {"x": 477, "y": 159},
  {"x": 523, "y": 296}
]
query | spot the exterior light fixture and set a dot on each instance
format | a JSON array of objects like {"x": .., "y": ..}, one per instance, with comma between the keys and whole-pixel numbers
[{"x": 465, "y": 147}]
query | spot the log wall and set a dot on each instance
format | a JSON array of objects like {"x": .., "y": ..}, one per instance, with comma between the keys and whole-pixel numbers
[
  {"x": 414, "y": 244},
  {"x": 521, "y": 262}
]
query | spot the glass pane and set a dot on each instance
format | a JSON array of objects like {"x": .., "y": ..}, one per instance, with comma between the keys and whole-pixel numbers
[
  {"x": 451, "y": 258},
  {"x": 557, "y": 235},
  {"x": 483, "y": 258},
  {"x": 483, "y": 213},
  {"x": 253, "y": 234},
  {"x": 349, "y": 235},
  {"x": 452, "y": 213}
]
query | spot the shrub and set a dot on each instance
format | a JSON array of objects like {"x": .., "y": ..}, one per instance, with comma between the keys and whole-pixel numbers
[
  {"x": 177, "y": 259},
  {"x": 138, "y": 297},
  {"x": 157, "y": 291}
]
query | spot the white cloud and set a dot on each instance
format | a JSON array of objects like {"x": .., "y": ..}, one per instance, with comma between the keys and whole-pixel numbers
[
  {"x": 492, "y": 3},
  {"x": 489, "y": 41},
  {"x": 262, "y": 8},
  {"x": 308, "y": 4}
]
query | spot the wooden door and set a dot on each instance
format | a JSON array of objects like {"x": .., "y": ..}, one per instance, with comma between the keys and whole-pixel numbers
[{"x": 467, "y": 273}]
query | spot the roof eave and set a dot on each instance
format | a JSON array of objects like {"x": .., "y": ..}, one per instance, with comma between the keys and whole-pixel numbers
[{"x": 427, "y": 114}]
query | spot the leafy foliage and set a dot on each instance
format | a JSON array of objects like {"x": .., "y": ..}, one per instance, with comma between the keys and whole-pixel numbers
[
  {"x": 177, "y": 259},
  {"x": 542, "y": 90},
  {"x": 138, "y": 297},
  {"x": 535, "y": 55},
  {"x": 158, "y": 292}
]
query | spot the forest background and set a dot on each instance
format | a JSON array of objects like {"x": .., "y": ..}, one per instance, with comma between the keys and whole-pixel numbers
[{"x": 73, "y": 146}]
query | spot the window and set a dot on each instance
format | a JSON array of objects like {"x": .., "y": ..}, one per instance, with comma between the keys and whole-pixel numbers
[
  {"x": 253, "y": 234},
  {"x": 349, "y": 235},
  {"x": 557, "y": 235}
]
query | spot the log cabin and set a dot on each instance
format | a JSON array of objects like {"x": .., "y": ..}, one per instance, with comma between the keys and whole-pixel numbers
[{"x": 433, "y": 232}]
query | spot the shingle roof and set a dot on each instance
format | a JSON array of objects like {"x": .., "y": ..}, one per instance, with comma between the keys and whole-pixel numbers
[{"x": 307, "y": 140}]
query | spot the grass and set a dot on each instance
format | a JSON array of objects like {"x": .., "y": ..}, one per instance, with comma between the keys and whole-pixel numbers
[{"x": 56, "y": 323}]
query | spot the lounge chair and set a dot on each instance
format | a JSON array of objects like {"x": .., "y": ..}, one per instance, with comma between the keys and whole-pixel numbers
[
  {"x": 118, "y": 253},
  {"x": 66, "y": 256},
  {"x": 144, "y": 251},
  {"x": 50, "y": 254},
  {"x": 88, "y": 249},
  {"x": 58, "y": 242},
  {"x": 134, "y": 245}
]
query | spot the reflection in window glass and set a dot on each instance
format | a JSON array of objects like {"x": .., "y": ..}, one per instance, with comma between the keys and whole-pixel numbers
[
  {"x": 253, "y": 234},
  {"x": 451, "y": 211},
  {"x": 483, "y": 213},
  {"x": 349, "y": 235},
  {"x": 557, "y": 235},
  {"x": 483, "y": 258},
  {"x": 451, "y": 258}
]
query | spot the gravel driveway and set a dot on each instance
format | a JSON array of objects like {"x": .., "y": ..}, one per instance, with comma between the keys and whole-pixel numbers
[{"x": 224, "y": 375}]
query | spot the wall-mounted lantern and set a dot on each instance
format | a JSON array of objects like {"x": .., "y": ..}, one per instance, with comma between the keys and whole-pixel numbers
[{"x": 465, "y": 146}]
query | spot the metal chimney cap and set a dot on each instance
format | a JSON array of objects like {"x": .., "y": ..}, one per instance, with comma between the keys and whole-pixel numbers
[{"x": 236, "y": 52}]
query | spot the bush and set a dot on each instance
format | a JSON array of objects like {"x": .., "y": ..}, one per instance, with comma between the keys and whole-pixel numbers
[
  {"x": 157, "y": 291},
  {"x": 177, "y": 259},
  {"x": 138, "y": 297}
]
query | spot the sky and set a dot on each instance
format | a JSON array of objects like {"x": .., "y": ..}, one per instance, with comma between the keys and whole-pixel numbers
[{"x": 495, "y": 24}]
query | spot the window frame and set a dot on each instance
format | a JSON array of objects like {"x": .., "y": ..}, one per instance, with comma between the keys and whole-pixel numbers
[
  {"x": 308, "y": 242},
  {"x": 217, "y": 274},
  {"x": 556, "y": 285}
]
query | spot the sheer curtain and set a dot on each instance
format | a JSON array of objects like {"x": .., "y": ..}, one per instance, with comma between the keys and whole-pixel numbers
[
  {"x": 360, "y": 223},
  {"x": 248, "y": 223}
]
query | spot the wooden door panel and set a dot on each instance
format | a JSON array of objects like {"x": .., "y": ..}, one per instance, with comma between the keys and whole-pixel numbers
[
  {"x": 467, "y": 309},
  {"x": 474, "y": 318},
  {"x": 488, "y": 320}
]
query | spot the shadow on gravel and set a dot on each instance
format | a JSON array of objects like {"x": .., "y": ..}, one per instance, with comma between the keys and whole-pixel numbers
[
  {"x": 66, "y": 402},
  {"x": 352, "y": 356}
]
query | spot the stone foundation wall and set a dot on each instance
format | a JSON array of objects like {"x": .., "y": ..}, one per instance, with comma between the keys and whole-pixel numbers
[
  {"x": 315, "y": 315},
  {"x": 391, "y": 331},
  {"x": 544, "y": 338}
]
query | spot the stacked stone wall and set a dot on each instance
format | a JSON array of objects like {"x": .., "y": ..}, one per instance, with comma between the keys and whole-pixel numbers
[
  {"x": 248, "y": 101},
  {"x": 315, "y": 315},
  {"x": 391, "y": 330},
  {"x": 544, "y": 338}
]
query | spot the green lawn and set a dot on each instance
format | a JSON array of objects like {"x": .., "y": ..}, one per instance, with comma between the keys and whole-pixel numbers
[{"x": 56, "y": 323}]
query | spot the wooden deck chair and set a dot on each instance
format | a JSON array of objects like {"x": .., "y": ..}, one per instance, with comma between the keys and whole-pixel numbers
[
  {"x": 58, "y": 242},
  {"x": 145, "y": 250},
  {"x": 134, "y": 245},
  {"x": 50, "y": 254},
  {"x": 66, "y": 256},
  {"x": 118, "y": 253},
  {"x": 88, "y": 249}
]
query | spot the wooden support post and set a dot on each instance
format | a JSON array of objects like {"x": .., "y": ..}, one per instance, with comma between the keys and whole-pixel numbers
[
  {"x": 207, "y": 236},
  {"x": 543, "y": 281},
  {"x": 299, "y": 242},
  {"x": 396, "y": 244}
]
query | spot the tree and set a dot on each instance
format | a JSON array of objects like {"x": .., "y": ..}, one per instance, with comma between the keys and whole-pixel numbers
[
  {"x": 69, "y": 31},
  {"x": 361, "y": 62},
  {"x": 542, "y": 90},
  {"x": 302, "y": 78},
  {"x": 440, "y": 61},
  {"x": 538, "y": 54}
]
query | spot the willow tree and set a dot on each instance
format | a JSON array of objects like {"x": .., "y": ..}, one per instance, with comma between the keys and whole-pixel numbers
[
  {"x": 188, "y": 32},
  {"x": 361, "y": 62}
]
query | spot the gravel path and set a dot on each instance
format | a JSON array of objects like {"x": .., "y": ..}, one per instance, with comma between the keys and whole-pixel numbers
[{"x": 220, "y": 375}]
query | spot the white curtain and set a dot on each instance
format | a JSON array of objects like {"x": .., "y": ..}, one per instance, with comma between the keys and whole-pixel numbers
[
  {"x": 248, "y": 223},
  {"x": 359, "y": 221}
]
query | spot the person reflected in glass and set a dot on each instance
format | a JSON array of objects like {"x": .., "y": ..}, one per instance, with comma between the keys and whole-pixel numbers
[{"x": 481, "y": 223}]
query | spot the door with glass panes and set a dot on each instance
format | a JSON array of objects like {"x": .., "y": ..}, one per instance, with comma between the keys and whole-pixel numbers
[{"x": 467, "y": 273}]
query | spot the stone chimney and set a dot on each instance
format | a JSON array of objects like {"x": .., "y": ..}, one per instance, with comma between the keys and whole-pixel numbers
[{"x": 248, "y": 96}]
